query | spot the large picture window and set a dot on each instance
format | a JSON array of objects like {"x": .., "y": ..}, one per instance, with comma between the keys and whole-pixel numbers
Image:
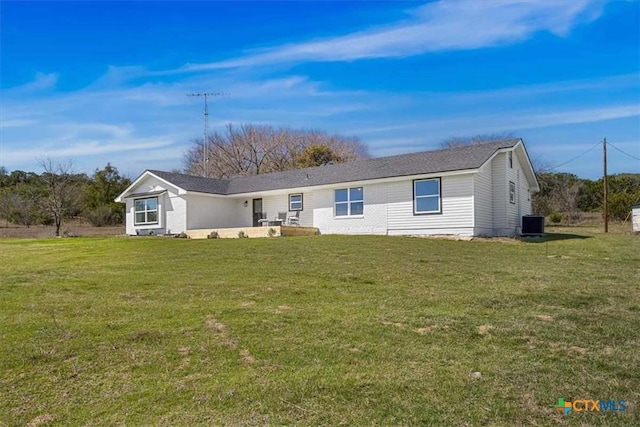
[
  {"x": 295, "y": 202},
  {"x": 349, "y": 201},
  {"x": 426, "y": 196},
  {"x": 146, "y": 211}
]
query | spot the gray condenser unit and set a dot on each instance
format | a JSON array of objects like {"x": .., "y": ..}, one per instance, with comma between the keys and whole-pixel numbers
[{"x": 533, "y": 225}]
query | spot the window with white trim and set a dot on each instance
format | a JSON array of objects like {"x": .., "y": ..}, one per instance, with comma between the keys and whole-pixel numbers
[
  {"x": 510, "y": 159},
  {"x": 295, "y": 202},
  {"x": 349, "y": 201},
  {"x": 146, "y": 211},
  {"x": 426, "y": 196},
  {"x": 512, "y": 192}
]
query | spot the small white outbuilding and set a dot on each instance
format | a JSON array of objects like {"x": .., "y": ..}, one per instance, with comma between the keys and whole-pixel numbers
[{"x": 635, "y": 215}]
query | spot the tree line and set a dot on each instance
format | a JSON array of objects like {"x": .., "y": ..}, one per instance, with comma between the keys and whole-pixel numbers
[
  {"x": 58, "y": 194},
  {"x": 563, "y": 195}
]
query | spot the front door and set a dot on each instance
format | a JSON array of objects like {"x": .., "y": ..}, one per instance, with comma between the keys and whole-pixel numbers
[{"x": 257, "y": 212}]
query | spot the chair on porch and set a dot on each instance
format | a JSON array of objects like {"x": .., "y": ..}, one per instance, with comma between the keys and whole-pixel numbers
[
  {"x": 282, "y": 218},
  {"x": 294, "y": 219},
  {"x": 263, "y": 221}
]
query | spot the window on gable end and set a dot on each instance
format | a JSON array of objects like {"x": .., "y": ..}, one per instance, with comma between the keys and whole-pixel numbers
[{"x": 512, "y": 192}]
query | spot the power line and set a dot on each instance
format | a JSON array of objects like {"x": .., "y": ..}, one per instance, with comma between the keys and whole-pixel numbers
[
  {"x": 576, "y": 157},
  {"x": 623, "y": 152}
]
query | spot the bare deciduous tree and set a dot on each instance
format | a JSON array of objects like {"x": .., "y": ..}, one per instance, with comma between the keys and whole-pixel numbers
[
  {"x": 25, "y": 203},
  {"x": 256, "y": 149},
  {"x": 7, "y": 205},
  {"x": 63, "y": 190},
  {"x": 558, "y": 193},
  {"x": 541, "y": 165}
]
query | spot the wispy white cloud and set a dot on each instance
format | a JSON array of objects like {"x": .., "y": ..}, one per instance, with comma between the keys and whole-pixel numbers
[
  {"x": 588, "y": 115},
  {"x": 437, "y": 26},
  {"x": 522, "y": 119},
  {"x": 62, "y": 146},
  {"x": 41, "y": 82},
  {"x": 137, "y": 119},
  {"x": 15, "y": 123},
  {"x": 415, "y": 135},
  {"x": 144, "y": 126},
  {"x": 152, "y": 124},
  {"x": 513, "y": 120},
  {"x": 79, "y": 130},
  {"x": 569, "y": 147},
  {"x": 604, "y": 83}
]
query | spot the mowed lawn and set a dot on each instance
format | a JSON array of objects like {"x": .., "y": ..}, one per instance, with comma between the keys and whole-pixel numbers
[{"x": 321, "y": 330}]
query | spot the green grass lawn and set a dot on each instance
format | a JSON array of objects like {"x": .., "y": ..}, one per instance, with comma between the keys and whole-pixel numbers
[{"x": 321, "y": 330}]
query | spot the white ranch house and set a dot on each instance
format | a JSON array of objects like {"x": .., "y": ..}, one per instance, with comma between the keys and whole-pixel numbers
[{"x": 478, "y": 190}]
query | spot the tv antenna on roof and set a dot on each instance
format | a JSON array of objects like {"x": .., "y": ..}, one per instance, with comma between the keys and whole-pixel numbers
[{"x": 205, "y": 154}]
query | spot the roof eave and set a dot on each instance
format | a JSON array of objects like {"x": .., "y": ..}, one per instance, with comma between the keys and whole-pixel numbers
[
  {"x": 358, "y": 182},
  {"x": 142, "y": 176},
  {"x": 532, "y": 171}
]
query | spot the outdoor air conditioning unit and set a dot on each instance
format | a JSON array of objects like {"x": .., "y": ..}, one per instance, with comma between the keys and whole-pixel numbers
[{"x": 533, "y": 225}]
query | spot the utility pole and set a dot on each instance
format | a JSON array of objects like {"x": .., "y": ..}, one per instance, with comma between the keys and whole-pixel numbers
[
  {"x": 606, "y": 202},
  {"x": 205, "y": 154}
]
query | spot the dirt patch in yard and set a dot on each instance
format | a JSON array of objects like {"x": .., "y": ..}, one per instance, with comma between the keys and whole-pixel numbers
[{"x": 71, "y": 229}]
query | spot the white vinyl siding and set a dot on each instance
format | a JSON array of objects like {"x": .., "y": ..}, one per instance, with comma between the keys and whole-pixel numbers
[
  {"x": 373, "y": 221},
  {"x": 457, "y": 208},
  {"x": 483, "y": 201},
  {"x": 525, "y": 198},
  {"x": 205, "y": 211},
  {"x": 524, "y": 193},
  {"x": 499, "y": 193},
  {"x": 513, "y": 175},
  {"x": 506, "y": 216}
]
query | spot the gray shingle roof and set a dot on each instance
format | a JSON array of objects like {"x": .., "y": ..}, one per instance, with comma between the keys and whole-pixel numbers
[
  {"x": 199, "y": 184},
  {"x": 427, "y": 162}
]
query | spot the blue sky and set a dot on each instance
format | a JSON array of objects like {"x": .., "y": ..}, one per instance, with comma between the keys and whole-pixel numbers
[{"x": 98, "y": 82}]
